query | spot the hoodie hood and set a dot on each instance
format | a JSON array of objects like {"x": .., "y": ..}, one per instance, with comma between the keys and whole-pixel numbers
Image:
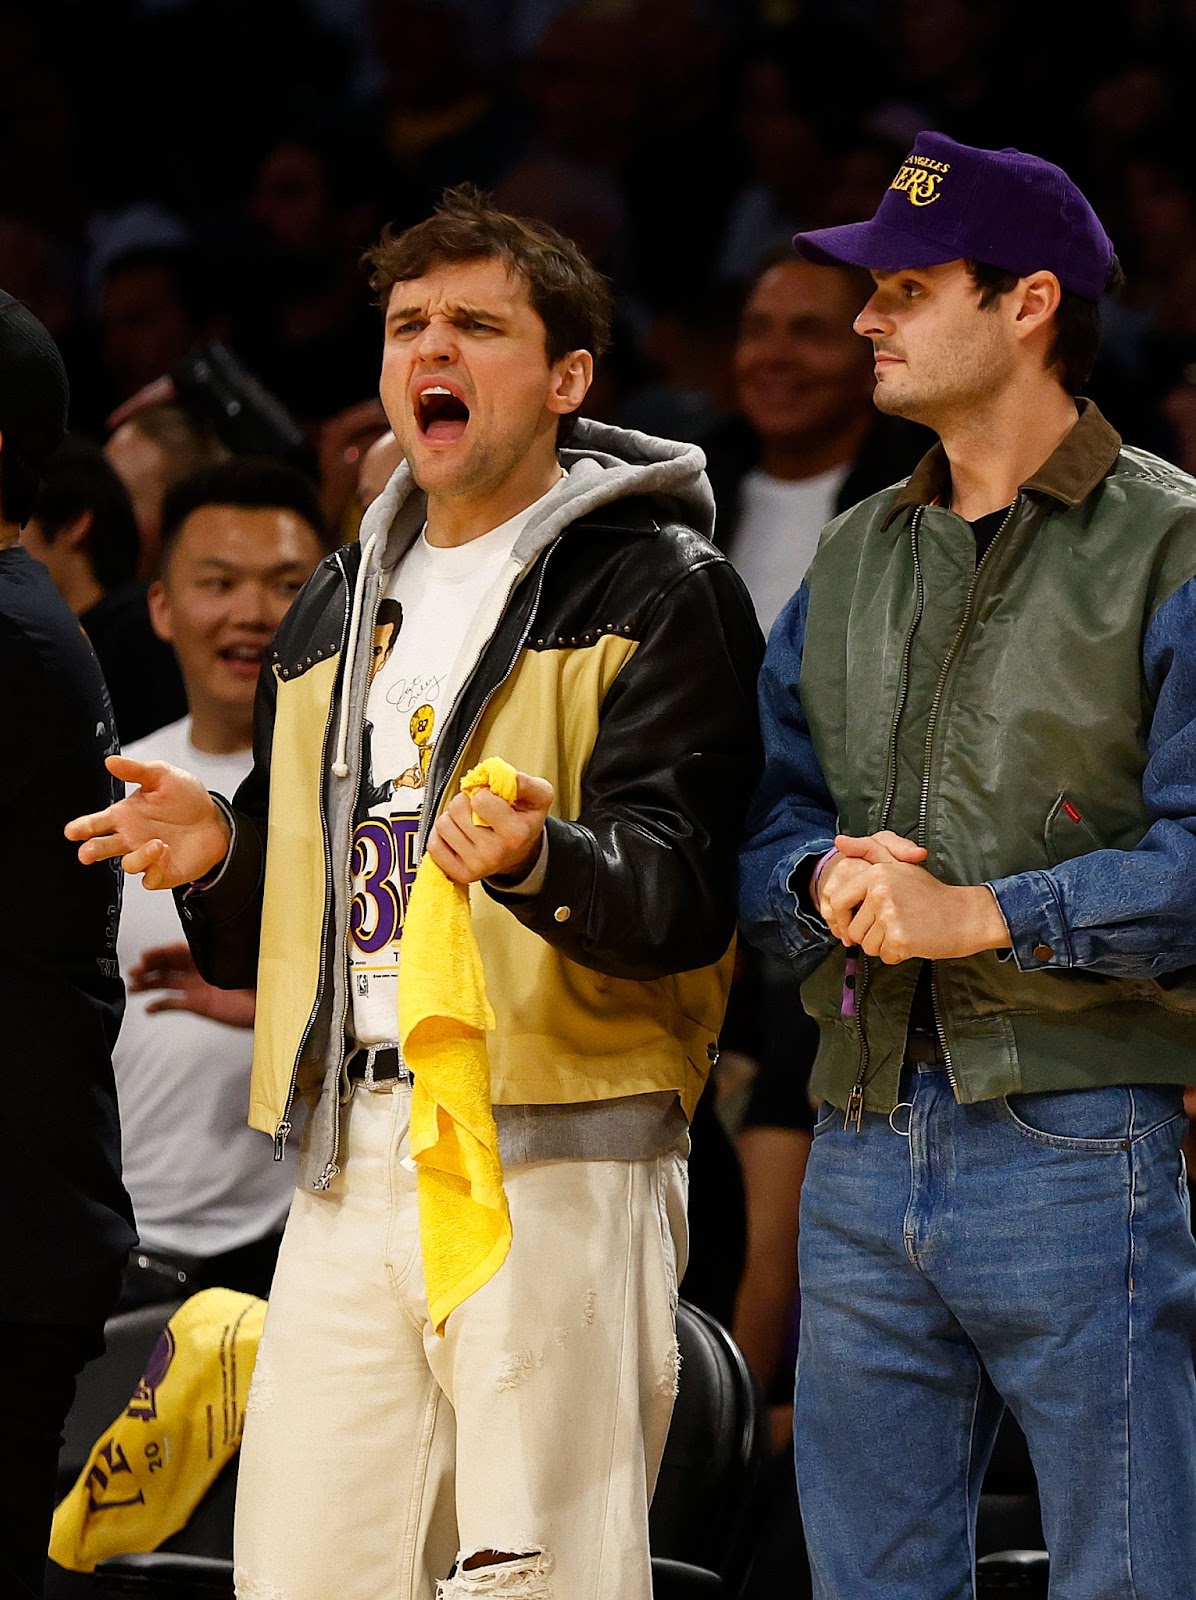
[{"x": 603, "y": 464}]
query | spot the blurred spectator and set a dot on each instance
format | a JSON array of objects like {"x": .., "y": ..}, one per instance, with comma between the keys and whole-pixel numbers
[
  {"x": 688, "y": 348},
  {"x": 37, "y": 124},
  {"x": 156, "y": 448},
  {"x": 584, "y": 89},
  {"x": 378, "y": 465},
  {"x": 789, "y": 168},
  {"x": 153, "y": 308},
  {"x": 1179, "y": 409},
  {"x": 240, "y": 539},
  {"x": 438, "y": 118},
  {"x": 303, "y": 322},
  {"x": 686, "y": 163},
  {"x": 345, "y": 442},
  {"x": 84, "y": 532},
  {"x": 582, "y": 201},
  {"x": 807, "y": 441},
  {"x": 38, "y": 268},
  {"x": 37, "y": 271}
]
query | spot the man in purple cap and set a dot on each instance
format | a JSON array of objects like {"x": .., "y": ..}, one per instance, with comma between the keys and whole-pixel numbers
[{"x": 976, "y": 839}]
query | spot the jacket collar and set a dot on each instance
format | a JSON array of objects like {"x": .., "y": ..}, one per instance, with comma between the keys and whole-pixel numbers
[{"x": 1069, "y": 474}]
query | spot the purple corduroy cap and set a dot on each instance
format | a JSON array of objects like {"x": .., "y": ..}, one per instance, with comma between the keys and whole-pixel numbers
[{"x": 1002, "y": 207}]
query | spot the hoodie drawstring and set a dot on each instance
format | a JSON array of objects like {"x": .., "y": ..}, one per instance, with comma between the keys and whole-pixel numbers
[{"x": 340, "y": 765}]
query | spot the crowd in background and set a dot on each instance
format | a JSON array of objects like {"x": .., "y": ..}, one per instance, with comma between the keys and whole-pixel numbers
[
  {"x": 174, "y": 170},
  {"x": 186, "y": 189}
]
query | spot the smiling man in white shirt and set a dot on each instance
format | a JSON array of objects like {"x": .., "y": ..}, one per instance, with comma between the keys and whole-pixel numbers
[{"x": 240, "y": 540}]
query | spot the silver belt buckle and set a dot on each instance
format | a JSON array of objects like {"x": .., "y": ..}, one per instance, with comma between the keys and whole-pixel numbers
[{"x": 383, "y": 1085}]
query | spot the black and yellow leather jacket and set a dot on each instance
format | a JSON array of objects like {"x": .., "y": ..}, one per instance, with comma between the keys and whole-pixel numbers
[{"x": 617, "y": 658}]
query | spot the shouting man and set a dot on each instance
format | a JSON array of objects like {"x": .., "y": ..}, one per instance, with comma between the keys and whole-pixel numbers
[{"x": 541, "y": 589}]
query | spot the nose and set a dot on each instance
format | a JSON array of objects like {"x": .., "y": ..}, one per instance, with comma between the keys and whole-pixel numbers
[
  {"x": 437, "y": 342},
  {"x": 871, "y": 323},
  {"x": 251, "y": 607}
]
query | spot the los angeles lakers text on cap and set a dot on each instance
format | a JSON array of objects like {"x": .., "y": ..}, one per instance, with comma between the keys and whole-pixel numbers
[{"x": 920, "y": 178}]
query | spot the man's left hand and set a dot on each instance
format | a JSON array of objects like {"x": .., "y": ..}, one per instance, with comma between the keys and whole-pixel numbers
[
  {"x": 508, "y": 848},
  {"x": 906, "y": 913}
]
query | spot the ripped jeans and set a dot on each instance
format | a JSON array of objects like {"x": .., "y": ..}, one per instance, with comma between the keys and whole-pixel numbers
[{"x": 379, "y": 1460}]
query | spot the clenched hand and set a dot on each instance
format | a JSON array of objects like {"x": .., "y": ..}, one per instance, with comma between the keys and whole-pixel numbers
[{"x": 507, "y": 848}]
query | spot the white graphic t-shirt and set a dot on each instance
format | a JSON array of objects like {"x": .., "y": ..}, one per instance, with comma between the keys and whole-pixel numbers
[{"x": 421, "y": 624}]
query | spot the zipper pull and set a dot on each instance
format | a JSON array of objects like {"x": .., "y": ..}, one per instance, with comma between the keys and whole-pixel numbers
[
  {"x": 855, "y": 1108},
  {"x": 326, "y": 1177},
  {"x": 280, "y": 1139}
]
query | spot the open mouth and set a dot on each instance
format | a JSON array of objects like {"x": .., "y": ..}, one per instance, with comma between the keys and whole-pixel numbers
[
  {"x": 242, "y": 658},
  {"x": 442, "y": 416}
]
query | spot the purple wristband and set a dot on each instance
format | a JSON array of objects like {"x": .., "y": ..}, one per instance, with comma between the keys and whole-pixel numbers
[{"x": 819, "y": 868}]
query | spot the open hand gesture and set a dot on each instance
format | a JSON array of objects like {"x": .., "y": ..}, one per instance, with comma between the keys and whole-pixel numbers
[{"x": 169, "y": 829}]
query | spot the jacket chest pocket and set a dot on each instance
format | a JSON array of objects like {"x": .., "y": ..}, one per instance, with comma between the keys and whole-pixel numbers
[{"x": 1067, "y": 832}]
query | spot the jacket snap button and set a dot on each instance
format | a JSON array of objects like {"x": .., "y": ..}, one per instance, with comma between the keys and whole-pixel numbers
[
  {"x": 562, "y": 914},
  {"x": 1043, "y": 952}
]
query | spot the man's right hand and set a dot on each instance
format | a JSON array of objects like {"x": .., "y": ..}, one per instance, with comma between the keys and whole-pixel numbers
[
  {"x": 843, "y": 884},
  {"x": 169, "y": 829}
]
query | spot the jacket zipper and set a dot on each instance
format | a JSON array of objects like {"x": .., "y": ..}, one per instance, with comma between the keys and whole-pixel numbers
[
  {"x": 284, "y": 1127},
  {"x": 924, "y": 799},
  {"x": 282, "y": 1132},
  {"x": 855, "y": 1101}
]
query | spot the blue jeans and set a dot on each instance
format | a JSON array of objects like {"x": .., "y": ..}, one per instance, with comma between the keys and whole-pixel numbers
[{"x": 1035, "y": 1252}]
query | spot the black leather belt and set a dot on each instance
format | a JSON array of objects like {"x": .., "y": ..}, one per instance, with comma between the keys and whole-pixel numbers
[
  {"x": 923, "y": 1049},
  {"x": 378, "y": 1067}
]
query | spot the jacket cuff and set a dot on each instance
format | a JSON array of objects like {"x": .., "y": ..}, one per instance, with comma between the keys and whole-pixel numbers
[
  {"x": 801, "y": 926},
  {"x": 229, "y": 889},
  {"x": 1033, "y": 913},
  {"x": 532, "y": 881},
  {"x": 567, "y": 886}
]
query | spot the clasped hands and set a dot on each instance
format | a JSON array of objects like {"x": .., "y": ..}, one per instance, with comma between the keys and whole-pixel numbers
[{"x": 876, "y": 894}]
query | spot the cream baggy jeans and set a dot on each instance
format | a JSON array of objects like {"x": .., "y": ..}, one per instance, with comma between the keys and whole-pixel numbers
[{"x": 377, "y": 1456}]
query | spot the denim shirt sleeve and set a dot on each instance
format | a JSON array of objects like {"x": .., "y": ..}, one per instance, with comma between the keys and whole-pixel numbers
[
  {"x": 1129, "y": 913},
  {"x": 791, "y": 821}
]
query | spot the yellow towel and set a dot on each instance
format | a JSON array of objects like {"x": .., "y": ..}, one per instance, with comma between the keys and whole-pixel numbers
[
  {"x": 152, "y": 1467},
  {"x": 464, "y": 1223}
]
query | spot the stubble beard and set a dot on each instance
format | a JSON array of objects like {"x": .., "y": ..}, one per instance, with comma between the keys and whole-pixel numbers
[{"x": 485, "y": 469}]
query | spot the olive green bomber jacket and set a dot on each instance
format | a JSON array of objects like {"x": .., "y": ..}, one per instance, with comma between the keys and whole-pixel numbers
[{"x": 1032, "y": 721}]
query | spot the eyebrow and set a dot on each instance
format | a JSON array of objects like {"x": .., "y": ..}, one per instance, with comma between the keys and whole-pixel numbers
[
  {"x": 218, "y": 564},
  {"x": 456, "y": 313}
]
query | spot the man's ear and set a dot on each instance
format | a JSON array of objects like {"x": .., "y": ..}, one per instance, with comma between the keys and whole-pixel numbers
[
  {"x": 159, "y": 611},
  {"x": 572, "y": 376},
  {"x": 1037, "y": 301},
  {"x": 74, "y": 534}
]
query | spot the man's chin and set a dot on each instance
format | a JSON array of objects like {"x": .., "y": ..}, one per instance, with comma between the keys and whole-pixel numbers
[
  {"x": 892, "y": 403},
  {"x": 441, "y": 471}
]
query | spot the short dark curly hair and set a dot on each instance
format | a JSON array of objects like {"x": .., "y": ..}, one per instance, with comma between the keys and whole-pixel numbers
[{"x": 569, "y": 295}]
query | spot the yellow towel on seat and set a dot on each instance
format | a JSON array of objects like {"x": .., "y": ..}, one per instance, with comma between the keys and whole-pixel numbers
[
  {"x": 464, "y": 1223},
  {"x": 152, "y": 1467}
]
